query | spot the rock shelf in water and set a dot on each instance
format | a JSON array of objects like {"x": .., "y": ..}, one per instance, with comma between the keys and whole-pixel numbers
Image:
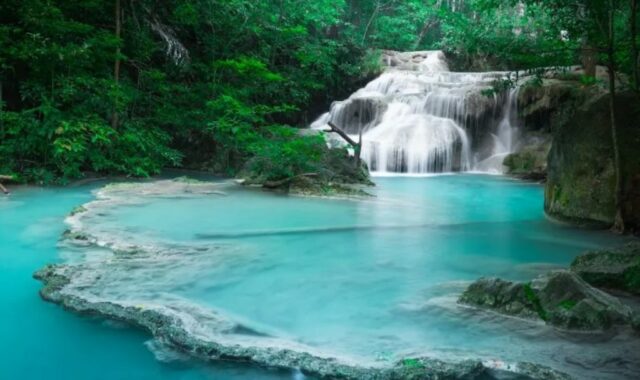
[
  {"x": 559, "y": 298},
  {"x": 205, "y": 333},
  {"x": 171, "y": 330},
  {"x": 612, "y": 268}
]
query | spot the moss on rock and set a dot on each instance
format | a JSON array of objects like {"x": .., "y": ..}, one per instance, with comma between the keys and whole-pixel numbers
[
  {"x": 581, "y": 174},
  {"x": 559, "y": 298},
  {"x": 617, "y": 268},
  {"x": 530, "y": 161}
]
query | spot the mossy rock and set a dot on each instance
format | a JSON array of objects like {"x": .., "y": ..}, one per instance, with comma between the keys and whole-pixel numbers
[
  {"x": 617, "y": 268},
  {"x": 581, "y": 175},
  {"x": 78, "y": 210},
  {"x": 635, "y": 323},
  {"x": 530, "y": 161},
  {"x": 503, "y": 296},
  {"x": 560, "y": 299}
]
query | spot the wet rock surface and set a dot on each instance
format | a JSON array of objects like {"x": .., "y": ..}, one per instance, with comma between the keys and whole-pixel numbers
[
  {"x": 499, "y": 295},
  {"x": 580, "y": 185},
  {"x": 560, "y": 298},
  {"x": 170, "y": 330},
  {"x": 530, "y": 161},
  {"x": 617, "y": 268}
]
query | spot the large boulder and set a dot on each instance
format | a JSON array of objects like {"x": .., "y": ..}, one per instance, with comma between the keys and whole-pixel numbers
[
  {"x": 580, "y": 165},
  {"x": 560, "y": 298},
  {"x": 505, "y": 297},
  {"x": 617, "y": 268},
  {"x": 530, "y": 160},
  {"x": 581, "y": 175},
  {"x": 542, "y": 108}
]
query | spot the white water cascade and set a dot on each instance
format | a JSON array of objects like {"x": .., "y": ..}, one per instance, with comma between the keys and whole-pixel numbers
[{"x": 419, "y": 117}]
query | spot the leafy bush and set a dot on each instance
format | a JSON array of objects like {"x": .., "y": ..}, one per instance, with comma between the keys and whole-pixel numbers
[{"x": 286, "y": 154}]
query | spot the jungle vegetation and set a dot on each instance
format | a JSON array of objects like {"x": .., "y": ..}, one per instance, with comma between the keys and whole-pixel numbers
[{"x": 130, "y": 87}]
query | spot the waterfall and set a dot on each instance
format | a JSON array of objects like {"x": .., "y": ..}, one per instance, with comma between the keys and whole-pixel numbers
[{"x": 419, "y": 117}]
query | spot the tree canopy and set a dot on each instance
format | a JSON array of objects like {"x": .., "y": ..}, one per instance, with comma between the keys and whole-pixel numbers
[{"x": 133, "y": 86}]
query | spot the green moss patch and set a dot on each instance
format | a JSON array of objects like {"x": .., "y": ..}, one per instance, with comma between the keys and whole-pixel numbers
[
  {"x": 567, "y": 304},
  {"x": 412, "y": 363},
  {"x": 535, "y": 301}
]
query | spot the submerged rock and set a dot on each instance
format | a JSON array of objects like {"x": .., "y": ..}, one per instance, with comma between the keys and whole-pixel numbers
[
  {"x": 559, "y": 298},
  {"x": 617, "y": 268}
]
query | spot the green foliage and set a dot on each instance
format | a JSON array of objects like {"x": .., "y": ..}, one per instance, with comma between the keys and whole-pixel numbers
[
  {"x": 286, "y": 154},
  {"x": 567, "y": 304},
  {"x": 412, "y": 363},
  {"x": 587, "y": 80},
  {"x": 499, "y": 86},
  {"x": 532, "y": 297},
  {"x": 200, "y": 81},
  {"x": 212, "y": 83}
]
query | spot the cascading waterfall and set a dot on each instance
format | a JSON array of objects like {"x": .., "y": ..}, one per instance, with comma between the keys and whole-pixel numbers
[{"x": 419, "y": 117}]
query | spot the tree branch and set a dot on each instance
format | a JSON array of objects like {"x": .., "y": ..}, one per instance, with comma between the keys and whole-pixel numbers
[
  {"x": 357, "y": 146},
  {"x": 342, "y": 134}
]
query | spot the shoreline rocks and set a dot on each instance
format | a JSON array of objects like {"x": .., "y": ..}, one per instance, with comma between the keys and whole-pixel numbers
[
  {"x": 560, "y": 299},
  {"x": 617, "y": 268}
]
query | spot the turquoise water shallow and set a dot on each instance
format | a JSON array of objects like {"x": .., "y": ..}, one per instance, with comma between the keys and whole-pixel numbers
[
  {"x": 372, "y": 279},
  {"x": 42, "y": 341}
]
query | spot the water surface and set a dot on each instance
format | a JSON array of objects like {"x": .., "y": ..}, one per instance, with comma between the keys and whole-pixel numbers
[
  {"x": 41, "y": 340},
  {"x": 372, "y": 279}
]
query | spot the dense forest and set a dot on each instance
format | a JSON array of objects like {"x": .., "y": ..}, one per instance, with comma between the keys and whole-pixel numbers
[{"x": 133, "y": 86}]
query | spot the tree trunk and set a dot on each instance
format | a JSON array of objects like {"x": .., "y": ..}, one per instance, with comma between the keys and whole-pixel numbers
[
  {"x": 116, "y": 64},
  {"x": 358, "y": 149},
  {"x": 618, "y": 224},
  {"x": 589, "y": 58},
  {"x": 286, "y": 181},
  {"x": 588, "y": 55},
  {"x": 355, "y": 145},
  {"x": 423, "y": 32},
  {"x": 634, "y": 46},
  {"x": 373, "y": 16},
  {"x": 2, "y": 188}
]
